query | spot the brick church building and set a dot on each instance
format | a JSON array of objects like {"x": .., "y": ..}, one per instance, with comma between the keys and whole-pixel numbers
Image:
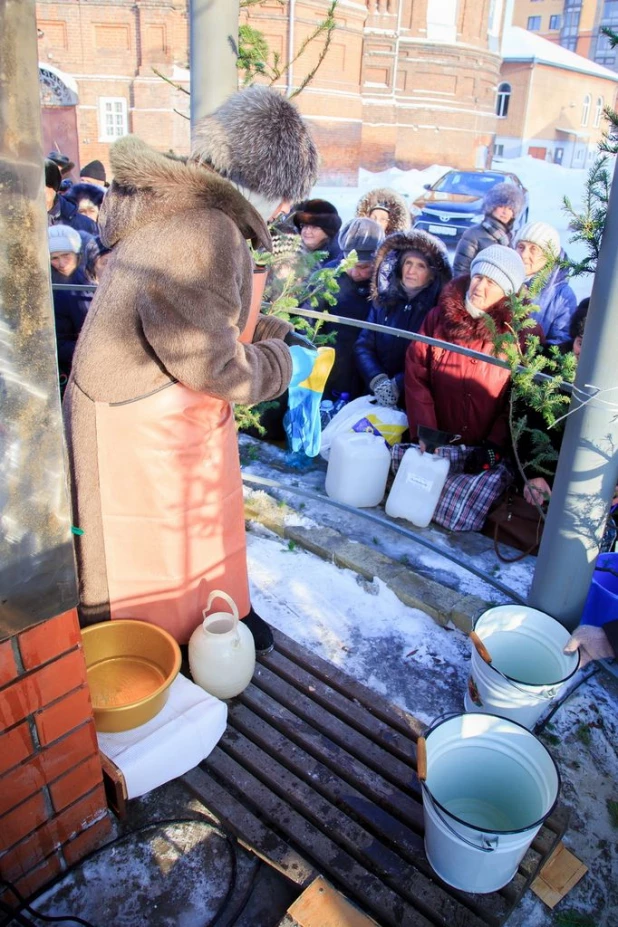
[{"x": 405, "y": 82}]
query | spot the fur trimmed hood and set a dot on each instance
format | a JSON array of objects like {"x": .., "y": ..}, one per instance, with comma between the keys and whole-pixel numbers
[
  {"x": 259, "y": 140},
  {"x": 385, "y": 284},
  {"x": 390, "y": 200},
  {"x": 457, "y": 321},
  {"x": 504, "y": 194},
  {"x": 148, "y": 185}
]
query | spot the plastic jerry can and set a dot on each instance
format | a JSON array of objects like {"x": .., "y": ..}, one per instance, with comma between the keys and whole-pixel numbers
[
  {"x": 415, "y": 492},
  {"x": 358, "y": 467}
]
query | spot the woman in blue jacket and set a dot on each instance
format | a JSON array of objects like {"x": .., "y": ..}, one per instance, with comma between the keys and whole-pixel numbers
[
  {"x": 70, "y": 306},
  {"x": 410, "y": 270}
]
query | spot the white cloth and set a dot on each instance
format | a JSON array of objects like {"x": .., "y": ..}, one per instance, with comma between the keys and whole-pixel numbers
[{"x": 184, "y": 732}]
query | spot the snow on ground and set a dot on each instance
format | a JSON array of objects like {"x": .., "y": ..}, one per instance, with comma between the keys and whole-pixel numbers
[
  {"x": 547, "y": 186},
  {"x": 402, "y": 654}
]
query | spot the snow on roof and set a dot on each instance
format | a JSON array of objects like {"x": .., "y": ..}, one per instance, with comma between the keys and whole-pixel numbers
[{"x": 521, "y": 45}]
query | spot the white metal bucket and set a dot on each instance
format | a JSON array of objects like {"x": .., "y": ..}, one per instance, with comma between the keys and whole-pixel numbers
[
  {"x": 518, "y": 664},
  {"x": 489, "y": 785}
]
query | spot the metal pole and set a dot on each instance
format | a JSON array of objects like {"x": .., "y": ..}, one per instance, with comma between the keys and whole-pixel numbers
[
  {"x": 588, "y": 466},
  {"x": 213, "y": 37},
  {"x": 37, "y": 570}
]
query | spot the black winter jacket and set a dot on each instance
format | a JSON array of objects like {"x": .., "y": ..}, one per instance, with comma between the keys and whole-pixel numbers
[
  {"x": 377, "y": 352},
  {"x": 70, "y": 309},
  {"x": 490, "y": 232},
  {"x": 353, "y": 302}
]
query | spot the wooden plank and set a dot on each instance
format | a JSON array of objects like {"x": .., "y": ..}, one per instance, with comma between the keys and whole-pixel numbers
[
  {"x": 356, "y": 744},
  {"x": 321, "y": 905},
  {"x": 368, "y": 890},
  {"x": 375, "y": 703},
  {"x": 346, "y": 708},
  {"x": 249, "y": 830},
  {"x": 376, "y": 824},
  {"x": 299, "y": 731},
  {"x": 558, "y": 876},
  {"x": 115, "y": 786}
]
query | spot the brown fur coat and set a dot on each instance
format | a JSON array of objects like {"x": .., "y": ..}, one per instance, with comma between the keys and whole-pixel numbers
[{"x": 170, "y": 307}]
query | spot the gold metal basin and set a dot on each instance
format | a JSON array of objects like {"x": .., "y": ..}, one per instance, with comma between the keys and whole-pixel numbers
[{"x": 130, "y": 665}]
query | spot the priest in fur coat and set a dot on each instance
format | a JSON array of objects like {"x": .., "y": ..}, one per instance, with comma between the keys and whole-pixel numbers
[{"x": 171, "y": 341}]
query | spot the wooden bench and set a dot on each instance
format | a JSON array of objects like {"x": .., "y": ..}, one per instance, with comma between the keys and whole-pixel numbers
[{"x": 316, "y": 775}]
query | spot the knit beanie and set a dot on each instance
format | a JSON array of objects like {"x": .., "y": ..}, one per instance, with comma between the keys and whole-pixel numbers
[
  {"x": 94, "y": 169},
  {"x": 502, "y": 265},
  {"x": 320, "y": 213},
  {"x": 541, "y": 234},
  {"x": 63, "y": 238},
  {"x": 53, "y": 178},
  {"x": 363, "y": 236}
]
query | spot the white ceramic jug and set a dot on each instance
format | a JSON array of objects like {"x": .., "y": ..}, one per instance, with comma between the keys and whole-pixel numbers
[
  {"x": 222, "y": 651},
  {"x": 415, "y": 492},
  {"x": 357, "y": 469}
]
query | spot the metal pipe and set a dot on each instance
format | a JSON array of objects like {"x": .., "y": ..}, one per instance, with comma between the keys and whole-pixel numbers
[
  {"x": 291, "y": 16},
  {"x": 587, "y": 471},
  {"x": 213, "y": 37},
  {"x": 385, "y": 523}
]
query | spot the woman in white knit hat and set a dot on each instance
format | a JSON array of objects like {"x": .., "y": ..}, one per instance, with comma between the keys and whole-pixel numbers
[
  {"x": 70, "y": 306},
  {"x": 538, "y": 243}
]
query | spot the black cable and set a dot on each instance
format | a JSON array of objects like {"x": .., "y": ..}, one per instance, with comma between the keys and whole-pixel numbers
[
  {"x": 17, "y": 915},
  {"x": 542, "y": 724}
]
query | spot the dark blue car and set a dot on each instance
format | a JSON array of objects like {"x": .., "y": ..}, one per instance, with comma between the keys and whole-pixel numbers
[{"x": 454, "y": 203}]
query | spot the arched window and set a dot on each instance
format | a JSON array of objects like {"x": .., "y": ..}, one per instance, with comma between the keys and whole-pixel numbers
[
  {"x": 503, "y": 99},
  {"x": 598, "y": 112},
  {"x": 586, "y": 109}
]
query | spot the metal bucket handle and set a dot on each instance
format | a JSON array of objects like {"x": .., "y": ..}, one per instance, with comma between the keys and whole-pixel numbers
[
  {"x": 484, "y": 654},
  {"x": 490, "y": 845}
]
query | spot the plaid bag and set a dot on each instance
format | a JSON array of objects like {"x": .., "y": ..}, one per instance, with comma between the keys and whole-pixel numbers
[{"x": 466, "y": 498}]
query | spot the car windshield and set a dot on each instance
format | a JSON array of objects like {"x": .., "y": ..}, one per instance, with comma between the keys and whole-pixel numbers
[{"x": 468, "y": 184}]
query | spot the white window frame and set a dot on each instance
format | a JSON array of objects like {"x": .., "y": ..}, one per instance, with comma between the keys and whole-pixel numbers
[
  {"x": 442, "y": 20},
  {"x": 119, "y": 108},
  {"x": 598, "y": 112},
  {"x": 503, "y": 99},
  {"x": 586, "y": 110}
]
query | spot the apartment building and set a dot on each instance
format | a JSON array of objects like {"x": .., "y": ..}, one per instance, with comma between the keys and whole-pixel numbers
[{"x": 576, "y": 25}]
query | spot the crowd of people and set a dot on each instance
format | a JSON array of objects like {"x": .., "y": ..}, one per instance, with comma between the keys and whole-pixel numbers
[{"x": 136, "y": 357}]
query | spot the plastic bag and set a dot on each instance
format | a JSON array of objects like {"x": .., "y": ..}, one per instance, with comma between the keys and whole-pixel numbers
[{"x": 365, "y": 414}]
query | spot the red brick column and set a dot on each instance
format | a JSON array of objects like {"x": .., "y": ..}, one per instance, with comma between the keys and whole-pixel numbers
[{"x": 52, "y": 802}]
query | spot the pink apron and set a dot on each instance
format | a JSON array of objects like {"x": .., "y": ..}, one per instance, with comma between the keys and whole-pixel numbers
[{"x": 172, "y": 503}]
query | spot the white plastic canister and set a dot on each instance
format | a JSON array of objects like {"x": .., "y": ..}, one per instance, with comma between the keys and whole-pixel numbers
[
  {"x": 518, "y": 663},
  {"x": 357, "y": 469},
  {"x": 489, "y": 785},
  {"x": 222, "y": 651},
  {"x": 415, "y": 492}
]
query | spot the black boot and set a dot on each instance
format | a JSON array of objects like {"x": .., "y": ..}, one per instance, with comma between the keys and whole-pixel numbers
[{"x": 262, "y": 635}]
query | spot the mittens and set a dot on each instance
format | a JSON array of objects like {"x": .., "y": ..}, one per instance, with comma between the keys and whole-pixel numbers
[
  {"x": 386, "y": 391},
  {"x": 482, "y": 458}
]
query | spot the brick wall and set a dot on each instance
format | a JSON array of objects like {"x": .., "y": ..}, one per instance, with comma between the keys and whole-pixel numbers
[{"x": 52, "y": 802}]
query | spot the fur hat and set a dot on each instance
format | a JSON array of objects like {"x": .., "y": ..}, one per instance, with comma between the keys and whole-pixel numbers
[
  {"x": 578, "y": 319},
  {"x": 94, "y": 249},
  {"x": 320, "y": 213},
  {"x": 53, "y": 178},
  {"x": 62, "y": 238},
  {"x": 363, "y": 236},
  {"x": 258, "y": 140},
  {"x": 391, "y": 202},
  {"x": 502, "y": 265},
  {"x": 504, "y": 194},
  {"x": 94, "y": 169},
  {"x": 63, "y": 161},
  {"x": 541, "y": 234}
]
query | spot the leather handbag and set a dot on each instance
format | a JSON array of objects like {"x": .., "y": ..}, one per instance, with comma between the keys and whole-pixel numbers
[{"x": 516, "y": 523}]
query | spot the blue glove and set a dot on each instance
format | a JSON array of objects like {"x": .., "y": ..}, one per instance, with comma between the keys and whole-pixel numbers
[{"x": 310, "y": 369}]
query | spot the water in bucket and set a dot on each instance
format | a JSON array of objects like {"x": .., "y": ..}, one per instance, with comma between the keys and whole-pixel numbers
[
  {"x": 518, "y": 663},
  {"x": 488, "y": 786}
]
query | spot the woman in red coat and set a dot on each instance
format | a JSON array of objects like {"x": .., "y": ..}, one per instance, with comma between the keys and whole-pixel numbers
[{"x": 456, "y": 393}]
